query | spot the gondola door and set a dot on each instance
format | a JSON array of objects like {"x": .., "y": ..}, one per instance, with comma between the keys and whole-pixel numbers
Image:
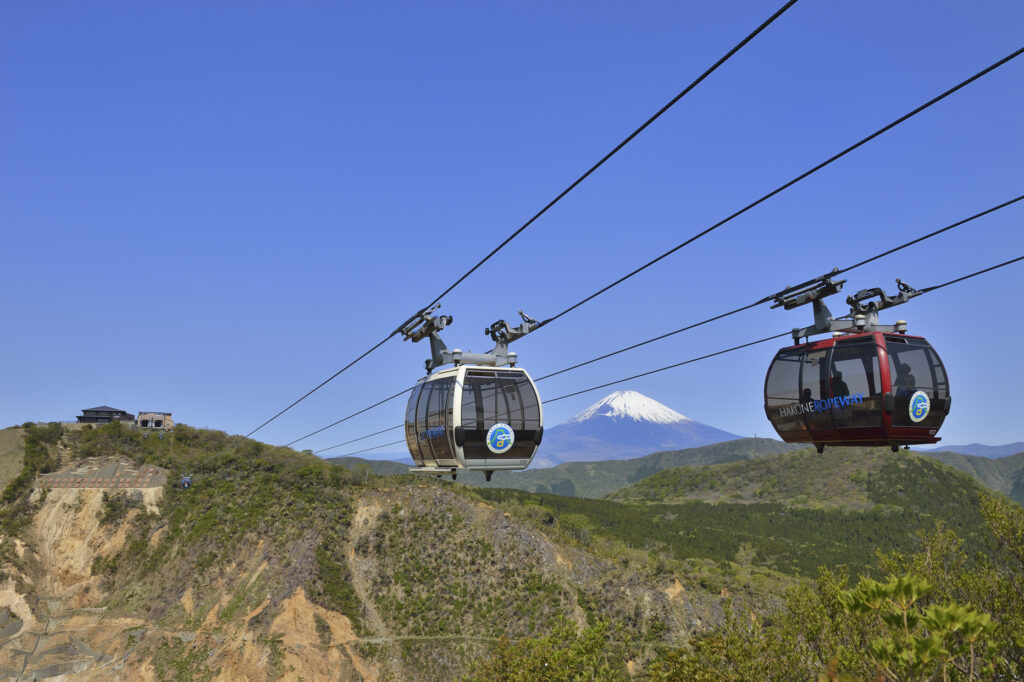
[
  {"x": 854, "y": 376},
  {"x": 814, "y": 388}
]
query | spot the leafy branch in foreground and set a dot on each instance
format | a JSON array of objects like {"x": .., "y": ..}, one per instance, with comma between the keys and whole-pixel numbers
[{"x": 917, "y": 643}]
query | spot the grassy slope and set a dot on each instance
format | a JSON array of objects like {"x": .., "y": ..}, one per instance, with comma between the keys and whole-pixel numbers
[
  {"x": 12, "y": 450},
  {"x": 261, "y": 521},
  {"x": 598, "y": 479}
]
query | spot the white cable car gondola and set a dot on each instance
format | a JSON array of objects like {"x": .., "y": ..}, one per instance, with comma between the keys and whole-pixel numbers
[{"x": 482, "y": 414}]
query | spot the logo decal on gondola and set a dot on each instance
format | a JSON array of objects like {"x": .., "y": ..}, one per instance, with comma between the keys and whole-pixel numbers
[
  {"x": 500, "y": 438},
  {"x": 919, "y": 406},
  {"x": 431, "y": 433},
  {"x": 809, "y": 406}
]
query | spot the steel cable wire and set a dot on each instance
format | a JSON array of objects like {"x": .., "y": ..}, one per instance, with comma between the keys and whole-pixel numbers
[
  {"x": 792, "y": 182},
  {"x": 760, "y": 301},
  {"x": 708, "y": 355},
  {"x": 750, "y": 36}
]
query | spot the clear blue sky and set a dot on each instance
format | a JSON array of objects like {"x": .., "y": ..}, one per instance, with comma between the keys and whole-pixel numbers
[{"x": 208, "y": 208}]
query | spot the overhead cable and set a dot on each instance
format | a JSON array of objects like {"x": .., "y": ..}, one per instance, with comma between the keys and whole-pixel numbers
[
  {"x": 323, "y": 383},
  {"x": 354, "y": 414},
  {"x": 622, "y": 144},
  {"x": 792, "y": 182},
  {"x": 771, "y": 297},
  {"x": 551, "y": 203},
  {"x": 769, "y": 338},
  {"x": 356, "y": 440},
  {"x": 756, "y": 303},
  {"x": 973, "y": 274},
  {"x": 711, "y": 355},
  {"x": 378, "y": 447}
]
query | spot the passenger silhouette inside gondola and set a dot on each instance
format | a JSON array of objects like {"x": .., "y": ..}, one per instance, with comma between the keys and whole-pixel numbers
[
  {"x": 805, "y": 397},
  {"x": 904, "y": 380},
  {"x": 839, "y": 386}
]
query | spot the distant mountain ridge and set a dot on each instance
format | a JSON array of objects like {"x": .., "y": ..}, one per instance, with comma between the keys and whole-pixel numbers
[
  {"x": 979, "y": 450},
  {"x": 624, "y": 425},
  {"x": 1004, "y": 474},
  {"x": 598, "y": 479}
]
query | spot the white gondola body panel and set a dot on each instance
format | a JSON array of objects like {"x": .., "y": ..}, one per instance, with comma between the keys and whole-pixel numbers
[{"x": 474, "y": 418}]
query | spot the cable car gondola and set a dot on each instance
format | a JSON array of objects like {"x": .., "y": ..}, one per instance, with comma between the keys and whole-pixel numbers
[
  {"x": 868, "y": 385},
  {"x": 482, "y": 414}
]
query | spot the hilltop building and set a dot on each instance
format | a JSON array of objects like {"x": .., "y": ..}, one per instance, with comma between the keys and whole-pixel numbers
[
  {"x": 155, "y": 420},
  {"x": 104, "y": 415}
]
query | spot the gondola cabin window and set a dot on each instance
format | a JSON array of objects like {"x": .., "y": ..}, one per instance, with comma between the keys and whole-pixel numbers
[
  {"x": 493, "y": 397},
  {"x": 854, "y": 374},
  {"x": 782, "y": 392},
  {"x": 914, "y": 367}
]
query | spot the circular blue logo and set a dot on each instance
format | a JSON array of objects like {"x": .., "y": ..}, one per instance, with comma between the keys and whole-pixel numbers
[
  {"x": 500, "y": 438},
  {"x": 919, "y": 406}
]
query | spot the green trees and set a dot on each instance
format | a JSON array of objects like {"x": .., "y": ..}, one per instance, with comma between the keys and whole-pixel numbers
[
  {"x": 938, "y": 615},
  {"x": 915, "y": 643},
  {"x": 565, "y": 654}
]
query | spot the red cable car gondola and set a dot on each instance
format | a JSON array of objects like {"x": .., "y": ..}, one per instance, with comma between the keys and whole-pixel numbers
[{"x": 868, "y": 385}]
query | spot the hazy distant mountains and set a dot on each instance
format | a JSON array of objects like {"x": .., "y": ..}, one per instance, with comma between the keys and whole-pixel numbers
[
  {"x": 1003, "y": 474},
  {"x": 623, "y": 425},
  {"x": 979, "y": 450}
]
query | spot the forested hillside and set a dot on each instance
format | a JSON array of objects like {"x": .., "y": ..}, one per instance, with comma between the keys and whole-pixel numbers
[
  {"x": 842, "y": 478},
  {"x": 597, "y": 479},
  {"x": 1005, "y": 474}
]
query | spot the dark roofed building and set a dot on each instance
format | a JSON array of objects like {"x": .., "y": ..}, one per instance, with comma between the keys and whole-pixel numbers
[{"x": 104, "y": 415}]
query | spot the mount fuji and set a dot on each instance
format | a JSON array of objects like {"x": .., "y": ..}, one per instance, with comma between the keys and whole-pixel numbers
[{"x": 624, "y": 425}]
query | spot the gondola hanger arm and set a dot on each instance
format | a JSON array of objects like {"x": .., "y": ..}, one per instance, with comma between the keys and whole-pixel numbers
[{"x": 427, "y": 325}]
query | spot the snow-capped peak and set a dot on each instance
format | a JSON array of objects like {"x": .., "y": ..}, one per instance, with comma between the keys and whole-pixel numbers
[{"x": 631, "y": 405}]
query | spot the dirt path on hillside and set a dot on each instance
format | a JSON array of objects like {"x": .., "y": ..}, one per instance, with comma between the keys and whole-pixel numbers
[{"x": 365, "y": 522}]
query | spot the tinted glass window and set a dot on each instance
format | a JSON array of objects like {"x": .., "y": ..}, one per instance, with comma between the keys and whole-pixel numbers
[
  {"x": 530, "y": 403},
  {"x": 855, "y": 384},
  {"x": 410, "y": 426},
  {"x": 914, "y": 366},
  {"x": 814, "y": 387},
  {"x": 434, "y": 438},
  {"x": 490, "y": 397},
  {"x": 472, "y": 408},
  {"x": 782, "y": 392},
  {"x": 421, "y": 410}
]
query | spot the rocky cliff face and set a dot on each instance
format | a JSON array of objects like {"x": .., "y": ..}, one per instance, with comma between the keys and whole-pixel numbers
[{"x": 57, "y": 619}]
